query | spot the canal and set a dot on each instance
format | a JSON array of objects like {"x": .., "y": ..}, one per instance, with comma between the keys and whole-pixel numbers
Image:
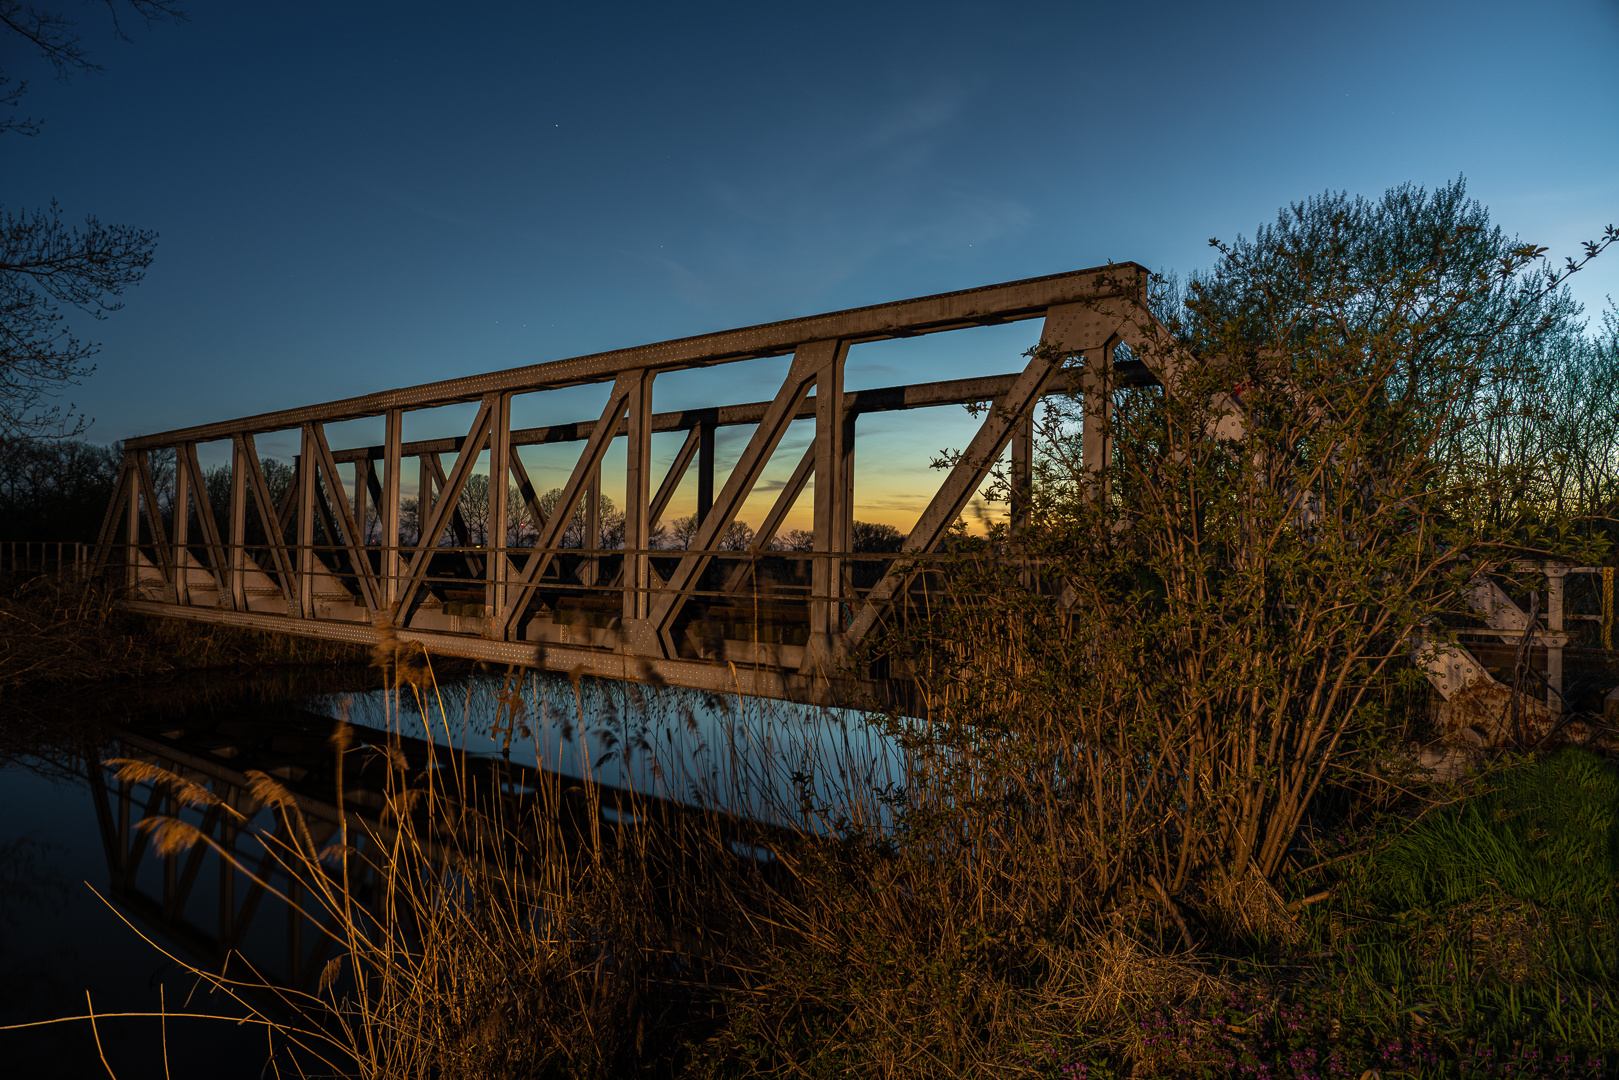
[{"x": 94, "y": 920}]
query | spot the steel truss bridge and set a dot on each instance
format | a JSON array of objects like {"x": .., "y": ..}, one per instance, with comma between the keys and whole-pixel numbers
[{"x": 757, "y": 622}]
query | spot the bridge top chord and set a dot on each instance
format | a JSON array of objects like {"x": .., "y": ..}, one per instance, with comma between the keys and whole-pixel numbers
[{"x": 985, "y": 305}]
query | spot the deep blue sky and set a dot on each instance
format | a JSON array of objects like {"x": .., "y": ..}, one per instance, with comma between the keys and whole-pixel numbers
[{"x": 353, "y": 196}]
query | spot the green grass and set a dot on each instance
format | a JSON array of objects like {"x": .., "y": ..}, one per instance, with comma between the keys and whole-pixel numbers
[
  {"x": 1546, "y": 834},
  {"x": 1497, "y": 921},
  {"x": 1482, "y": 940}
]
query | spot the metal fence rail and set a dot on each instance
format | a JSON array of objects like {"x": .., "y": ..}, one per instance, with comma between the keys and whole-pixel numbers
[{"x": 42, "y": 556}]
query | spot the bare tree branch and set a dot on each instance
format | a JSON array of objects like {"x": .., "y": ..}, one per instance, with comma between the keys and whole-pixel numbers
[
  {"x": 45, "y": 264},
  {"x": 56, "y": 38}
]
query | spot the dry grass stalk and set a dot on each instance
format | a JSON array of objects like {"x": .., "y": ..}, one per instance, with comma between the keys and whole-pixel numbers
[
  {"x": 170, "y": 836},
  {"x": 267, "y": 790},
  {"x": 133, "y": 771}
]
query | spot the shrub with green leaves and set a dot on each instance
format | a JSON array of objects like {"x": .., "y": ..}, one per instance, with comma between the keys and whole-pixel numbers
[{"x": 1134, "y": 702}]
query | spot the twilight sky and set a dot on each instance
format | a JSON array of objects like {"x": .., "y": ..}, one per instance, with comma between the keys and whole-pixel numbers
[{"x": 364, "y": 195}]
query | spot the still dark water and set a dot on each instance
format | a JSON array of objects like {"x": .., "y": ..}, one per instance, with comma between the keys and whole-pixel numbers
[{"x": 60, "y": 940}]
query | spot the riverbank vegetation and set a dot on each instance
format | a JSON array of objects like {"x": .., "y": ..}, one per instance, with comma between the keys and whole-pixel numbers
[
  {"x": 1162, "y": 818},
  {"x": 566, "y": 928},
  {"x": 1151, "y": 709},
  {"x": 65, "y": 630}
]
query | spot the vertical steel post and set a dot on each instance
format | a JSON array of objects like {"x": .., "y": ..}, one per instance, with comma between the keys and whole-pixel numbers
[
  {"x": 424, "y": 501},
  {"x": 132, "y": 532},
  {"x": 705, "y": 469},
  {"x": 362, "y": 490},
  {"x": 182, "y": 528},
  {"x": 305, "y": 475},
  {"x": 238, "y": 524},
  {"x": 496, "y": 568},
  {"x": 844, "y": 611},
  {"x": 832, "y": 491},
  {"x": 393, "y": 439},
  {"x": 638, "y": 499},
  {"x": 1555, "y": 573}
]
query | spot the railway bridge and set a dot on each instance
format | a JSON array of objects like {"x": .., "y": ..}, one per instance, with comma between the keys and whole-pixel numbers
[{"x": 755, "y": 621}]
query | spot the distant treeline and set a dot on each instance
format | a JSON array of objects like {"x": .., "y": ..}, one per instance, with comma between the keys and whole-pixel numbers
[
  {"x": 56, "y": 490},
  {"x": 59, "y": 490}
]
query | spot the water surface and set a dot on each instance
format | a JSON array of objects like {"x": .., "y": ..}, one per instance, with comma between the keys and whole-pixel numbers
[{"x": 64, "y": 931}]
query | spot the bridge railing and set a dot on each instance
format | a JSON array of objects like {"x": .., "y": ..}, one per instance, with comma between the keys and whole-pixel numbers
[{"x": 585, "y": 590}]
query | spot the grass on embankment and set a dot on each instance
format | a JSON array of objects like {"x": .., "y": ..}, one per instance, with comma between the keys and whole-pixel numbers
[{"x": 1481, "y": 940}]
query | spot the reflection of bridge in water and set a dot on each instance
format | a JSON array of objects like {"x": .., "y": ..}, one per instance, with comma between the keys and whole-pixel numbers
[
  {"x": 757, "y": 621},
  {"x": 225, "y": 913}
]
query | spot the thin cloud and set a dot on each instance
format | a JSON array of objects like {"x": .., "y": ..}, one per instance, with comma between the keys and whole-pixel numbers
[
  {"x": 917, "y": 115},
  {"x": 422, "y": 207}
]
